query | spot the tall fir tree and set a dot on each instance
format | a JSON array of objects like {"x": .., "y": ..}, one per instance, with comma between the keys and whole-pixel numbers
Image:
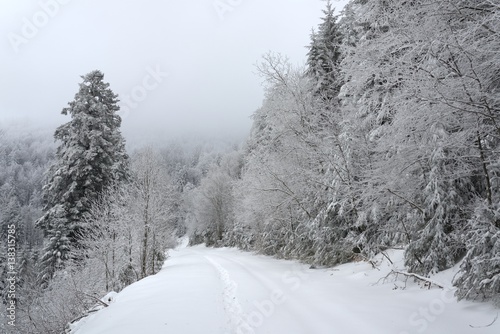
[
  {"x": 90, "y": 158},
  {"x": 324, "y": 55}
]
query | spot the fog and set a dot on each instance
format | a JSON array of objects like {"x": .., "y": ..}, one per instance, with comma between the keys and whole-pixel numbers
[{"x": 179, "y": 67}]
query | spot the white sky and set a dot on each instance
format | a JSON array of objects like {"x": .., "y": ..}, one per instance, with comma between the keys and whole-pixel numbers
[{"x": 209, "y": 57}]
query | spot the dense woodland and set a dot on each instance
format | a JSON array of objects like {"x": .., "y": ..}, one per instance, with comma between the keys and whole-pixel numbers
[{"x": 388, "y": 137}]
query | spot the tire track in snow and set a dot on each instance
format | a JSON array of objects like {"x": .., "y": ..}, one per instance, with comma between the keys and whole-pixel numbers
[
  {"x": 231, "y": 304},
  {"x": 298, "y": 308}
]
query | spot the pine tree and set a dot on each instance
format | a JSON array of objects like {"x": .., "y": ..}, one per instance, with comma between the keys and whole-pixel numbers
[
  {"x": 324, "y": 55},
  {"x": 435, "y": 246},
  {"x": 58, "y": 246},
  {"x": 91, "y": 157},
  {"x": 479, "y": 275}
]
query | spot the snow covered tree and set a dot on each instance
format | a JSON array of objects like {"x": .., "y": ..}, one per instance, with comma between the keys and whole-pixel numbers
[
  {"x": 214, "y": 207},
  {"x": 152, "y": 209},
  {"x": 110, "y": 238},
  {"x": 470, "y": 58},
  {"x": 479, "y": 277},
  {"x": 58, "y": 246},
  {"x": 208, "y": 200},
  {"x": 419, "y": 88},
  {"x": 435, "y": 247},
  {"x": 293, "y": 155},
  {"x": 324, "y": 55},
  {"x": 91, "y": 157}
]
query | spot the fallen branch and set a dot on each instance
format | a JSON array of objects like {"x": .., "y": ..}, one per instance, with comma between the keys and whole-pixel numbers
[
  {"x": 419, "y": 277},
  {"x": 86, "y": 314},
  {"x": 94, "y": 298},
  {"x": 386, "y": 256}
]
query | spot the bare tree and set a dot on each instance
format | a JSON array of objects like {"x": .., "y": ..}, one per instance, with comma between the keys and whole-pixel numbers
[{"x": 152, "y": 209}]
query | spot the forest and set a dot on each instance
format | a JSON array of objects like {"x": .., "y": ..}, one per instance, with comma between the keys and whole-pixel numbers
[{"x": 387, "y": 137}]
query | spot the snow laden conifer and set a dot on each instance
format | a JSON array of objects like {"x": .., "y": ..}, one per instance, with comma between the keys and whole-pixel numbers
[
  {"x": 436, "y": 245},
  {"x": 479, "y": 276},
  {"x": 324, "y": 55},
  {"x": 90, "y": 158}
]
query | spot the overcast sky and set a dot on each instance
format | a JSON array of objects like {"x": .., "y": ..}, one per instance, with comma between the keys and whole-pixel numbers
[{"x": 207, "y": 47}]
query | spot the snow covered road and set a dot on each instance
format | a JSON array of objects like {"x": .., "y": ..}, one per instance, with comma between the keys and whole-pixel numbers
[{"x": 225, "y": 291}]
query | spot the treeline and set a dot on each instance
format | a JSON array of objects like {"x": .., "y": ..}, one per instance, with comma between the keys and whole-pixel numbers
[
  {"x": 389, "y": 136},
  {"x": 25, "y": 153}
]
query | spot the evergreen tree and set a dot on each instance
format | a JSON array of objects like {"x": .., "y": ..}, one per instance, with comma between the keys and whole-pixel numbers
[
  {"x": 479, "y": 275},
  {"x": 324, "y": 55},
  {"x": 90, "y": 158}
]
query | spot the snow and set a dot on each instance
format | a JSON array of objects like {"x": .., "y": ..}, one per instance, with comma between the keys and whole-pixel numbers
[{"x": 206, "y": 290}]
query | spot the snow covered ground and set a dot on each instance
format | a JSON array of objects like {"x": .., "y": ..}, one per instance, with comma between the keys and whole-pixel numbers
[{"x": 226, "y": 291}]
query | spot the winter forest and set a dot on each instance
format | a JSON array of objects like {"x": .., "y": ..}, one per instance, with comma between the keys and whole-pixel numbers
[{"x": 388, "y": 137}]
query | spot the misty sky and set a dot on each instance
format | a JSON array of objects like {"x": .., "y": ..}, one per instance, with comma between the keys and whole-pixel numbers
[{"x": 207, "y": 47}]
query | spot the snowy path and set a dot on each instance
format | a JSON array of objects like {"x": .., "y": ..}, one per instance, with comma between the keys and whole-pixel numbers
[{"x": 225, "y": 291}]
